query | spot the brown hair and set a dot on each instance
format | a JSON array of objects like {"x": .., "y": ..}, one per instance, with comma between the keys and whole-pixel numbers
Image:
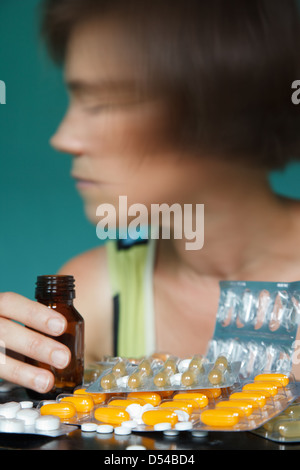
[{"x": 231, "y": 64}]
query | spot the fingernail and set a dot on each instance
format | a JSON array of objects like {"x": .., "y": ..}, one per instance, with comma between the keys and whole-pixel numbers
[
  {"x": 56, "y": 325},
  {"x": 41, "y": 383},
  {"x": 60, "y": 358}
]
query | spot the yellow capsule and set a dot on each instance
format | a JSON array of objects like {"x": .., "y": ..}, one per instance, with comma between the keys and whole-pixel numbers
[
  {"x": 62, "y": 410},
  {"x": 184, "y": 405},
  {"x": 282, "y": 378},
  {"x": 126, "y": 402},
  {"x": 290, "y": 429},
  {"x": 200, "y": 398},
  {"x": 210, "y": 392},
  {"x": 82, "y": 403},
  {"x": 152, "y": 417},
  {"x": 111, "y": 415},
  {"x": 97, "y": 397},
  {"x": 149, "y": 397},
  {"x": 220, "y": 417},
  {"x": 257, "y": 397},
  {"x": 262, "y": 386},
  {"x": 245, "y": 406}
]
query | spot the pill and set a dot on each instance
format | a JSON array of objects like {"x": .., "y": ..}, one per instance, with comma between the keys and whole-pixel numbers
[
  {"x": 145, "y": 367},
  {"x": 170, "y": 364},
  {"x": 211, "y": 392},
  {"x": 268, "y": 386},
  {"x": 135, "y": 447},
  {"x": 12, "y": 425},
  {"x": 89, "y": 427},
  {"x": 199, "y": 434},
  {"x": 293, "y": 411},
  {"x": 200, "y": 398},
  {"x": 215, "y": 376},
  {"x": 135, "y": 411},
  {"x": 257, "y": 397},
  {"x": 111, "y": 415},
  {"x": 182, "y": 415},
  {"x": 190, "y": 377},
  {"x": 197, "y": 362},
  {"x": 221, "y": 363},
  {"x": 63, "y": 410},
  {"x": 97, "y": 397},
  {"x": 136, "y": 379},
  {"x": 26, "y": 404},
  {"x": 130, "y": 424},
  {"x": 272, "y": 425},
  {"x": 290, "y": 429},
  {"x": 119, "y": 369},
  {"x": 282, "y": 378},
  {"x": 244, "y": 405},
  {"x": 184, "y": 426},
  {"x": 162, "y": 379},
  {"x": 162, "y": 426},
  {"x": 220, "y": 417},
  {"x": 124, "y": 402},
  {"x": 82, "y": 403},
  {"x": 10, "y": 409},
  {"x": 122, "y": 430},
  {"x": 149, "y": 397},
  {"x": 28, "y": 415},
  {"x": 170, "y": 432},
  {"x": 184, "y": 405},
  {"x": 47, "y": 423},
  {"x": 104, "y": 429},
  {"x": 152, "y": 417},
  {"x": 108, "y": 381}
]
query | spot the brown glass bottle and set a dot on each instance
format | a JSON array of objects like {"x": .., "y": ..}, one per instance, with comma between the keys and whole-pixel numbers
[{"x": 57, "y": 293}]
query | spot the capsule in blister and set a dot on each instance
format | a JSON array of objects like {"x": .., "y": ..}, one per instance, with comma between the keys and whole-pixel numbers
[
  {"x": 124, "y": 402},
  {"x": 186, "y": 405},
  {"x": 215, "y": 376},
  {"x": 258, "y": 397},
  {"x": 245, "y": 406},
  {"x": 282, "y": 378},
  {"x": 82, "y": 403},
  {"x": 200, "y": 398},
  {"x": 149, "y": 397},
  {"x": 262, "y": 386},
  {"x": 98, "y": 398},
  {"x": 62, "y": 410},
  {"x": 162, "y": 378},
  {"x": 111, "y": 415},
  {"x": 152, "y": 417},
  {"x": 220, "y": 417},
  {"x": 290, "y": 429},
  {"x": 293, "y": 411}
]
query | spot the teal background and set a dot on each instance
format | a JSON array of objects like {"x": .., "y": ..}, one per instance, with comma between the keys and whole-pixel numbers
[{"x": 41, "y": 215}]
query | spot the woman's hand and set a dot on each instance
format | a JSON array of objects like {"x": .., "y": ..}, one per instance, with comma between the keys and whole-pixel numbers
[{"x": 34, "y": 344}]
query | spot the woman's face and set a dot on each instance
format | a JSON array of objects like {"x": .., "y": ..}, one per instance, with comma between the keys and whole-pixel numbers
[{"x": 121, "y": 137}]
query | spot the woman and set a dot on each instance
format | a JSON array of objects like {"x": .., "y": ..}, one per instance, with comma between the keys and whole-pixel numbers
[{"x": 182, "y": 102}]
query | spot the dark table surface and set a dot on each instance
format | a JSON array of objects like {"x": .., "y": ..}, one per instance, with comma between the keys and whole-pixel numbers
[{"x": 78, "y": 440}]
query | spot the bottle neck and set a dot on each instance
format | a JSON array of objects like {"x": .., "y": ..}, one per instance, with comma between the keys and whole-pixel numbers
[{"x": 55, "y": 289}]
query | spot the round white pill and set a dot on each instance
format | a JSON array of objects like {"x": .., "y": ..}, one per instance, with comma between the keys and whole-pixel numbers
[
  {"x": 162, "y": 426},
  {"x": 184, "y": 425},
  {"x": 122, "y": 430},
  {"x": 47, "y": 423},
  {"x": 11, "y": 425},
  {"x": 135, "y": 447},
  {"x": 28, "y": 416},
  {"x": 171, "y": 433},
  {"x": 26, "y": 404},
  {"x": 135, "y": 410},
  {"x": 182, "y": 415},
  {"x": 10, "y": 409},
  {"x": 129, "y": 424},
  {"x": 89, "y": 427},
  {"x": 104, "y": 428}
]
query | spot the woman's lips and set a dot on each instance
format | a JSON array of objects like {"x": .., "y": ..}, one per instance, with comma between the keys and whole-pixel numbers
[{"x": 84, "y": 183}]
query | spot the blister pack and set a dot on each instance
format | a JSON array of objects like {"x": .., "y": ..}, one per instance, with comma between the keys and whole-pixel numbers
[
  {"x": 244, "y": 407},
  {"x": 256, "y": 324},
  {"x": 154, "y": 374}
]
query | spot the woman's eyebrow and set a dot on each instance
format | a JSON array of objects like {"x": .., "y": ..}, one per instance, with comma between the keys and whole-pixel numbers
[{"x": 81, "y": 86}]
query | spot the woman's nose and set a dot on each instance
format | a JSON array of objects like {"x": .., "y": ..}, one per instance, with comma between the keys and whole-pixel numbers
[{"x": 67, "y": 139}]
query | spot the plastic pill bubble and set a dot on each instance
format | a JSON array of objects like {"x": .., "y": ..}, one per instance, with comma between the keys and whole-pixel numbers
[
  {"x": 220, "y": 417},
  {"x": 245, "y": 406},
  {"x": 184, "y": 405},
  {"x": 105, "y": 429},
  {"x": 282, "y": 378},
  {"x": 119, "y": 369},
  {"x": 111, "y": 415},
  {"x": 156, "y": 416},
  {"x": 149, "y": 397},
  {"x": 290, "y": 429},
  {"x": 272, "y": 425},
  {"x": 122, "y": 430},
  {"x": 221, "y": 363},
  {"x": 126, "y": 402},
  {"x": 268, "y": 386},
  {"x": 145, "y": 367},
  {"x": 62, "y": 410},
  {"x": 215, "y": 376},
  {"x": 108, "y": 381},
  {"x": 197, "y": 363},
  {"x": 200, "y": 398},
  {"x": 257, "y": 397},
  {"x": 28, "y": 416},
  {"x": 12, "y": 425},
  {"x": 89, "y": 427},
  {"x": 161, "y": 379},
  {"x": 82, "y": 403},
  {"x": 211, "y": 392},
  {"x": 47, "y": 423},
  {"x": 97, "y": 397},
  {"x": 190, "y": 377},
  {"x": 293, "y": 411},
  {"x": 10, "y": 409}
]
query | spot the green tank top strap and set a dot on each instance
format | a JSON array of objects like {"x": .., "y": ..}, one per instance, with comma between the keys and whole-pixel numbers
[{"x": 131, "y": 278}]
